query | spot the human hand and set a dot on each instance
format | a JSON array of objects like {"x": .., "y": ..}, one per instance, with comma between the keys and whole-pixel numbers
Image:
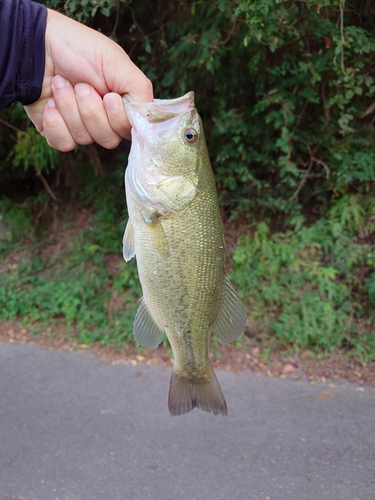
[{"x": 85, "y": 75}]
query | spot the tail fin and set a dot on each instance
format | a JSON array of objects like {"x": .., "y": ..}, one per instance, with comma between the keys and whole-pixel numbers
[{"x": 204, "y": 392}]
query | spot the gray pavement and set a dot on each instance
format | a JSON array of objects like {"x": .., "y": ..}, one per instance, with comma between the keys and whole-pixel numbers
[{"x": 75, "y": 428}]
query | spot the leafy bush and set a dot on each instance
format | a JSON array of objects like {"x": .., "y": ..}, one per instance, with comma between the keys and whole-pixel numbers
[
  {"x": 73, "y": 281},
  {"x": 76, "y": 286},
  {"x": 286, "y": 91},
  {"x": 290, "y": 87},
  {"x": 307, "y": 286},
  {"x": 17, "y": 220}
]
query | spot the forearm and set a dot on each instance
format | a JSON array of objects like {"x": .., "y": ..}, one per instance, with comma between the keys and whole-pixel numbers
[{"x": 22, "y": 51}]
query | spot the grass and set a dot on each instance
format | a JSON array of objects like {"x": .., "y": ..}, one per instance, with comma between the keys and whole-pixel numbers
[
  {"x": 78, "y": 280},
  {"x": 308, "y": 287},
  {"x": 311, "y": 286}
]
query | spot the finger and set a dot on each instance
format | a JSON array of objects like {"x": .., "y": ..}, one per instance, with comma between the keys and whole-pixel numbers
[
  {"x": 117, "y": 118},
  {"x": 54, "y": 128},
  {"x": 138, "y": 86},
  {"x": 124, "y": 77},
  {"x": 66, "y": 103},
  {"x": 35, "y": 113},
  {"x": 94, "y": 116}
]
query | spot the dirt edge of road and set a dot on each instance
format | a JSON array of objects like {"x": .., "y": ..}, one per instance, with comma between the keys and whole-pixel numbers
[{"x": 272, "y": 361}]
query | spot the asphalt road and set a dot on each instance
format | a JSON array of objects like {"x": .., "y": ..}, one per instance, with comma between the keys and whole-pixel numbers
[{"x": 75, "y": 428}]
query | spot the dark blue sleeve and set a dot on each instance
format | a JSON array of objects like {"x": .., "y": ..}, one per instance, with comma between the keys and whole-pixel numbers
[{"x": 22, "y": 51}]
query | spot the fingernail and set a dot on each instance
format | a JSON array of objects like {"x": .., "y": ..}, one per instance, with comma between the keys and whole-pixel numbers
[
  {"x": 51, "y": 103},
  {"x": 58, "y": 82},
  {"x": 111, "y": 103},
  {"x": 82, "y": 89}
]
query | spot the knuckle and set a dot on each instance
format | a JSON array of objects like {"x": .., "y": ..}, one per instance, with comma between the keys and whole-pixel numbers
[
  {"x": 85, "y": 142},
  {"x": 146, "y": 86},
  {"x": 89, "y": 114},
  {"x": 66, "y": 149},
  {"x": 110, "y": 143},
  {"x": 83, "y": 138},
  {"x": 63, "y": 146},
  {"x": 60, "y": 141}
]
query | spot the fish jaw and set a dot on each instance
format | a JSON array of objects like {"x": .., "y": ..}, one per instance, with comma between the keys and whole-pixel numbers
[
  {"x": 162, "y": 167},
  {"x": 156, "y": 122},
  {"x": 157, "y": 111}
]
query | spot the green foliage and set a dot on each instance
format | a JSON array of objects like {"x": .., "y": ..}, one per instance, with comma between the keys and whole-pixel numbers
[
  {"x": 371, "y": 289},
  {"x": 76, "y": 287},
  {"x": 32, "y": 151},
  {"x": 25, "y": 157},
  {"x": 83, "y": 283},
  {"x": 106, "y": 195},
  {"x": 78, "y": 290},
  {"x": 290, "y": 84},
  {"x": 305, "y": 286},
  {"x": 286, "y": 90},
  {"x": 83, "y": 10},
  {"x": 17, "y": 220}
]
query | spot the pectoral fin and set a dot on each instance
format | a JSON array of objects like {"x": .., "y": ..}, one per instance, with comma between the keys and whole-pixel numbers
[
  {"x": 128, "y": 242},
  {"x": 231, "y": 319},
  {"x": 159, "y": 239},
  {"x": 146, "y": 331},
  {"x": 176, "y": 192}
]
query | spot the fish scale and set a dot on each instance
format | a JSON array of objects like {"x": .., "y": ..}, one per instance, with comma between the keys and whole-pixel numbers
[{"x": 176, "y": 234}]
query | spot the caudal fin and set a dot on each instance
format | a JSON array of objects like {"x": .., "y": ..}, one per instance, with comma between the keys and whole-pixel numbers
[{"x": 204, "y": 392}]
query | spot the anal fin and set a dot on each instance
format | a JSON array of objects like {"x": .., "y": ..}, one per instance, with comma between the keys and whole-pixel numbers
[
  {"x": 146, "y": 331},
  {"x": 231, "y": 319}
]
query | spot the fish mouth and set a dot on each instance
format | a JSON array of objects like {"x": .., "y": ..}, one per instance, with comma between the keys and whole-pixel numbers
[{"x": 159, "y": 110}]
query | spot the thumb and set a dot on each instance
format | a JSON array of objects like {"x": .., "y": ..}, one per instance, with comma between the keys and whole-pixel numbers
[
  {"x": 124, "y": 77},
  {"x": 117, "y": 118}
]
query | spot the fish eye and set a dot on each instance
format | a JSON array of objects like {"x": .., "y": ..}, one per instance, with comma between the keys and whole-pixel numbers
[{"x": 190, "y": 135}]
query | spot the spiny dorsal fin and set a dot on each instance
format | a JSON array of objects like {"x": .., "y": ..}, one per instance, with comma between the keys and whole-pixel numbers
[
  {"x": 128, "y": 242},
  {"x": 231, "y": 319},
  {"x": 146, "y": 331}
]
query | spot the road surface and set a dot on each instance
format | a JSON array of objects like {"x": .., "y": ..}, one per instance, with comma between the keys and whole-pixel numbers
[{"x": 76, "y": 428}]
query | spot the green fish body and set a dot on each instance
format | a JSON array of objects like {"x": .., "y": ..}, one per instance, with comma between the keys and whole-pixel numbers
[{"x": 176, "y": 233}]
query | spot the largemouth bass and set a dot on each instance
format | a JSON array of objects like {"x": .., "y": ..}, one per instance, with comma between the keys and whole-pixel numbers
[{"x": 176, "y": 233}]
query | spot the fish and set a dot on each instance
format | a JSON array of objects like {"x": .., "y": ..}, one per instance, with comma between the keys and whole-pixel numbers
[{"x": 176, "y": 234}]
